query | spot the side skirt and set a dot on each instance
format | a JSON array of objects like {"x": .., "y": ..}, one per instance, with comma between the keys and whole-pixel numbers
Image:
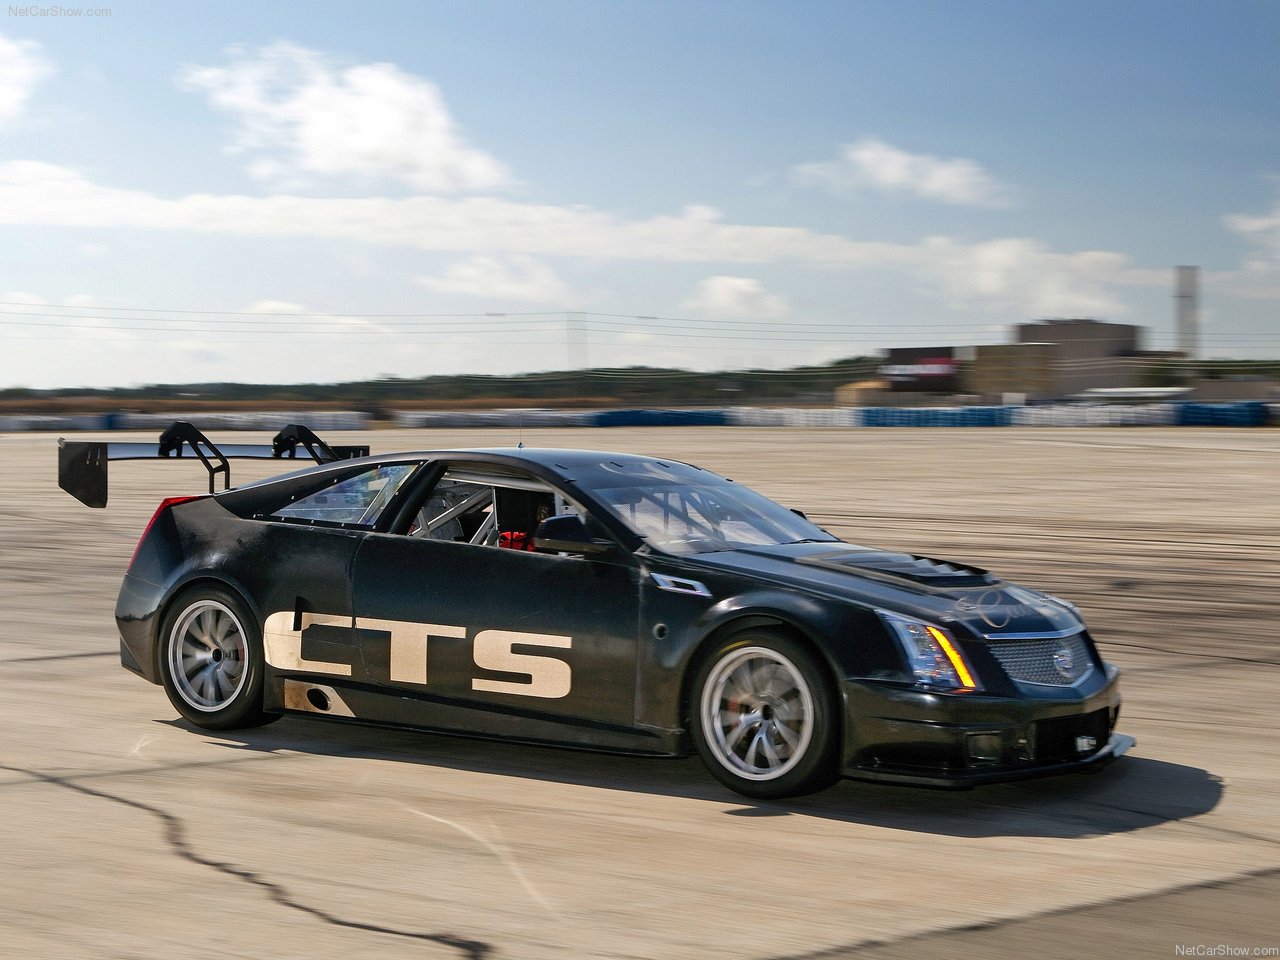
[{"x": 362, "y": 704}]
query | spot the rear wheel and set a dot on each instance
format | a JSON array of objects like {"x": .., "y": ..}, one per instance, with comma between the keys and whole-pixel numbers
[
  {"x": 211, "y": 660},
  {"x": 764, "y": 717}
]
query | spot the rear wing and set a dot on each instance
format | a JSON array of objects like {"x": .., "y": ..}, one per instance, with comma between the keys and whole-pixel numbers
[{"x": 82, "y": 465}]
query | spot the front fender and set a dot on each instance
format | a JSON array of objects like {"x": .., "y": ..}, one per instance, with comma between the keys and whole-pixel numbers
[
  {"x": 829, "y": 628},
  {"x": 848, "y": 638}
]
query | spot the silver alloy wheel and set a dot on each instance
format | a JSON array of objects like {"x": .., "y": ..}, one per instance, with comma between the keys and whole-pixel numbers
[
  {"x": 757, "y": 712},
  {"x": 208, "y": 656}
]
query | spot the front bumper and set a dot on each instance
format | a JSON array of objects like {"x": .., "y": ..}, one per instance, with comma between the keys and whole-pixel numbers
[{"x": 904, "y": 735}]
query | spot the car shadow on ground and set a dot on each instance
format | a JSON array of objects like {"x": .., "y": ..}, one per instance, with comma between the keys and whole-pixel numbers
[{"x": 1131, "y": 794}]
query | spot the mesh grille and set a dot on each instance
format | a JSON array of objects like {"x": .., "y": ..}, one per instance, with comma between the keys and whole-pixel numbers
[{"x": 1059, "y": 661}]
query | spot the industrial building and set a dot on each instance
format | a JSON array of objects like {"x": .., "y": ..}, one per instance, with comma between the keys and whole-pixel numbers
[
  {"x": 1053, "y": 359},
  {"x": 1047, "y": 360},
  {"x": 1059, "y": 359}
]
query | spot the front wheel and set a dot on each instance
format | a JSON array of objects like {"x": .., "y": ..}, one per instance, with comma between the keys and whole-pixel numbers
[
  {"x": 211, "y": 660},
  {"x": 764, "y": 717}
]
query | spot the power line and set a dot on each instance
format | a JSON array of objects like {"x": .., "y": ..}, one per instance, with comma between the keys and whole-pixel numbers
[
  {"x": 260, "y": 333},
  {"x": 272, "y": 313}
]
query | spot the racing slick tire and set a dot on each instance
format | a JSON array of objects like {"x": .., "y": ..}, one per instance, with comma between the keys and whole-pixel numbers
[
  {"x": 764, "y": 718},
  {"x": 211, "y": 660}
]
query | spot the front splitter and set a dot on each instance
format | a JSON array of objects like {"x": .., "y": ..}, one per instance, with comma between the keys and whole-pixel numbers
[{"x": 1117, "y": 746}]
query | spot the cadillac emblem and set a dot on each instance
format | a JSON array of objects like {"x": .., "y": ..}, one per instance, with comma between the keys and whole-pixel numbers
[{"x": 1064, "y": 662}]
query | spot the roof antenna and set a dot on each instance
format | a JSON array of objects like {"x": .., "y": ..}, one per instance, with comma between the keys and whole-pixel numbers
[{"x": 520, "y": 430}]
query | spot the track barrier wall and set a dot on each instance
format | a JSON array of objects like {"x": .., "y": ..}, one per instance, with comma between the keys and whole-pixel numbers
[
  {"x": 1238, "y": 414},
  {"x": 1253, "y": 414},
  {"x": 247, "y": 420}
]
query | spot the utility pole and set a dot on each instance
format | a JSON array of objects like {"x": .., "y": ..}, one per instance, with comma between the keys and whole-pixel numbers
[
  {"x": 1188, "y": 310},
  {"x": 575, "y": 342},
  {"x": 575, "y": 339}
]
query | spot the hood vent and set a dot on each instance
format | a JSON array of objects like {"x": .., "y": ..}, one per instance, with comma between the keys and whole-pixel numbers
[{"x": 922, "y": 570}]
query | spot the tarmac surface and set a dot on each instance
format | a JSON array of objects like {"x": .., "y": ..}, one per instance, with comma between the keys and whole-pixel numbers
[{"x": 126, "y": 833}]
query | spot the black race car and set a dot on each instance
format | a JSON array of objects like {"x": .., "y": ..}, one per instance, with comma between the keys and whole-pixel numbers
[{"x": 597, "y": 600}]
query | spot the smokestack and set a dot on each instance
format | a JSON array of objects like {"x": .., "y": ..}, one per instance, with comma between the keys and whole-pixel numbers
[{"x": 1188, "y": 297}]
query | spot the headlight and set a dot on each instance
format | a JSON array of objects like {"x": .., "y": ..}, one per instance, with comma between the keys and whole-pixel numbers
[{"x": 932, "y": 654}]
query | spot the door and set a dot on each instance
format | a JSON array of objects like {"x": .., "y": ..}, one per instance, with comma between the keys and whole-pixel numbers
[
  {"x": 300, "y": 574},
  {"x": 460, "y": 611}
]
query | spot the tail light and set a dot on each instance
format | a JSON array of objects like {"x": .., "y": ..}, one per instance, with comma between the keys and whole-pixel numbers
[{"x": 167, "y": 504}]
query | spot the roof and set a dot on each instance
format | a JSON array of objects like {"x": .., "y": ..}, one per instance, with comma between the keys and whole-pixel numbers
[{"x": 592, "y": 468}]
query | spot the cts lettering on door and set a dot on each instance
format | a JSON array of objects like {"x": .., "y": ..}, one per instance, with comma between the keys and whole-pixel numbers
[{"x": 547, "y": 677}]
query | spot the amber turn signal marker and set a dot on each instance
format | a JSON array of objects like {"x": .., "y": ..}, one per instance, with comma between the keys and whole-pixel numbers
[{"x": 957, "y": 661}]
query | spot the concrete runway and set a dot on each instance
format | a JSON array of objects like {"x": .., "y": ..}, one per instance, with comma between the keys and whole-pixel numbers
[{"x": 125, "y": 833}]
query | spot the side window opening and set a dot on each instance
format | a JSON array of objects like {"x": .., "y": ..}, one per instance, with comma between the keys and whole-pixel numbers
[
  {"x": 357, "y": 500},
  {"x": 455, "y": 510},
  {"x": 519, "y": 513},
  {"x": 493, "y": 511}
]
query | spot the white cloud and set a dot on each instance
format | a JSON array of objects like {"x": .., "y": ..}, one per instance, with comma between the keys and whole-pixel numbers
[
  {"x": 1263, "y": 232},
  {"x": 50, "y": 195},
  {"x": 1020, "y": 273},
  {"x": 734, "y": 298},
  {"x": 22, "y": 66},
  {"x": 83, "y": 337},
  {"x": 1024, "y": 274},
  {"x": 85, "y": 300},
  {"x": 515, "y": 278},
  {"x": 874, "y": 164},
  {"x": 320, "y": 327},
  {"x": 78, "y": 340},
  {"x": 1258, "y": 276},
  {"x": 298, "y": 112},
  {"x": 279, "y": 307},
  {"x": 11, "y": 297}
]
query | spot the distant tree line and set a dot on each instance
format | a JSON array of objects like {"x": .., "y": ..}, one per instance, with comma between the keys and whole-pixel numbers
[
  {"x": 602, "y": 386},
  {"x": 596, "y": 387}
]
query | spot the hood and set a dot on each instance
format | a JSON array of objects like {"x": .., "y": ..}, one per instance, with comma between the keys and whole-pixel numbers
[{"x": 938, "y": 590}]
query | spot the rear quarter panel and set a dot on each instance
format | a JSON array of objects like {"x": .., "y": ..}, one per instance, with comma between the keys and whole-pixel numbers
[{"x": 273, "y": 566}]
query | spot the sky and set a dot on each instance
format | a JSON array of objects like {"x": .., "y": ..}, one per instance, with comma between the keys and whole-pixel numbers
[{"x": 320, "y": 192}]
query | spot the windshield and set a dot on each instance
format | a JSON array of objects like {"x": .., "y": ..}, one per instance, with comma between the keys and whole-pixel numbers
[{"x": 698, "y": 518}]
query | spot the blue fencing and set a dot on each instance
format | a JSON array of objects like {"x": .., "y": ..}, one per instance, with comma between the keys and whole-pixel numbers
[
  {"x": 661, "y": 418},
  {"x": 1244, "y": 414},
  {"x": 512, "y": 417},
  {"x": 1238, "y": 414},
  {"x": 937, "y": 416},
  {"x": 25, "y": 423}
]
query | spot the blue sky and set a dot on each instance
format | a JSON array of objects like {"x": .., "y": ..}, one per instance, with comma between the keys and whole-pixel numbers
[{"x": 286, "y": 192}]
